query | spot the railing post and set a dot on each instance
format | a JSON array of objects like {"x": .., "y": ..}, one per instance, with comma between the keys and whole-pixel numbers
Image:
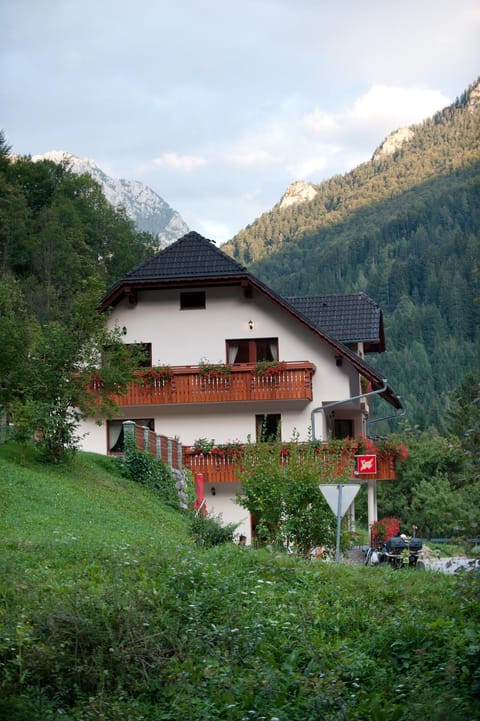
[
  {"x": 180, "y": 455},
  {"x": 158, "y": 446},
  {"x": 169, "y": 452},
  {"x": 146, "y": 444},
  {"x": 129, "y": 431}
]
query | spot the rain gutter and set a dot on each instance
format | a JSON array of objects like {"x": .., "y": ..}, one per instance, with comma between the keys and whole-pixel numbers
[{"x": 346, "y": 400}]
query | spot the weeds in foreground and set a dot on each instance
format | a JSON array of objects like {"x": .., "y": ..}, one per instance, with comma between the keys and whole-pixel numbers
[{"x": 120, "y": 616}]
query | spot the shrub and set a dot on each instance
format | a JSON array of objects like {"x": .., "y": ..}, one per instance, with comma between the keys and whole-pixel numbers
[
  {"x": 209, "y": 531},
  {"x": 384, "y": 529},
  {"x": 151, "y": 472},
  {"x": 285, "y": 497}
]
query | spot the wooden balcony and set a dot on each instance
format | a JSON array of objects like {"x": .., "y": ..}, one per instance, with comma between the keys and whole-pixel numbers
[
  {"x": 217, "y": 468},
  {"x": 221, "y": 465},
  {"x": 187, "y": 384}
]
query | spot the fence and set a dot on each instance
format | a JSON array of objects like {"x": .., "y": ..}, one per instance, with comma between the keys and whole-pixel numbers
[{"x": 168, "y": 450}]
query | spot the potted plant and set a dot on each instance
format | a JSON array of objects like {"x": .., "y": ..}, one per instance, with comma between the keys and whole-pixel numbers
[
  {"x": 269, "y": 369},
  {"x": 156, "y": 376},
  {"x": 203, "y": 446},
  {"x": 214, "y": 371}
]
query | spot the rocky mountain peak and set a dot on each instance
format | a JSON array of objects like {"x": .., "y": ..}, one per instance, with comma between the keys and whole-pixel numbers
[
  {"x": 297, "y": 192},
  {"x": 473, "y": 102},
  {"x": 143, "y": 205},
  {"x": 393, "y": 142}
]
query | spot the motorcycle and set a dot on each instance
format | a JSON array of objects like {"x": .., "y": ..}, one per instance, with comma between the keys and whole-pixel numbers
[{"x": 397, "y": 552}]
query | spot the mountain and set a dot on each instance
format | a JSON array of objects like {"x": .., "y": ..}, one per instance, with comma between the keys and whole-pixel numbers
[
  {"x": 404, "y": 228},
  {"x": 146, "y": 208},
  {"x": 448, "y": 141}
]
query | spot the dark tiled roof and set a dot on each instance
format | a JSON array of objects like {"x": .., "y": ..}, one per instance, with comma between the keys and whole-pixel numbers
[
  {"x": 337, "y": 319},
  {"x": 349, "y": 318},
  {"x": 189, "y": 257}
]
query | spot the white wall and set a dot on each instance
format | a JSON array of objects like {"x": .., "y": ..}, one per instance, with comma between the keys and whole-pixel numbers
[
  {"x": 224, "y": 504},
  {"x": 185, "y": 337}
]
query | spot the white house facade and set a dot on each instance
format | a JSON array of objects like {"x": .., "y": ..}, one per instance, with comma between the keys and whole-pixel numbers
[{"x": 191, "y": 306}]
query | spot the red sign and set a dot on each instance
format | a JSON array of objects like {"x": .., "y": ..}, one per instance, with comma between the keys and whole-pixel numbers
[{"x": 366, "y": 464}]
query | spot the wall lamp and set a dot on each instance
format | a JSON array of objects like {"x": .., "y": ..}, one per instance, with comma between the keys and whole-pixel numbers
[
  {"x": 124, "y": 330},
  {"x": 213, "y": 491},
  {"x": 251, "y": 324}
]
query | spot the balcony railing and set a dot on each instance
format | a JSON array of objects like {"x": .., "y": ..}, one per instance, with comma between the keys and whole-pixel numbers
[
  {"x": 222, "y": 465},
  {"x": 217, "y": 468},
  {"x": 187, "y": 384}
]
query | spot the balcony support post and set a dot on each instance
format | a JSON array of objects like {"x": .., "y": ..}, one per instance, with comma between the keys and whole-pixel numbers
[{"x": 372, "y": 502}]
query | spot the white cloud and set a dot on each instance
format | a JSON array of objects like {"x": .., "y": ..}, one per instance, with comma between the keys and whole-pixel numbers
[
  {"x": 396, "y": 105},
  {"x": 306, "y": 167},
  {"x": 180, "y": 162},
  {"x": 250, "y": 159},
  {"x": 217, "y": 231},
  {"x": 319, "y": 122}
]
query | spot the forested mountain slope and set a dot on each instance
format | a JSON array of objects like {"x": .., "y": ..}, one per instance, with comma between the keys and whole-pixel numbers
[
  {"x": 59, "y": 235},
  {"x": 404, "y": 228},
  {"x": 448, "y": 141}
]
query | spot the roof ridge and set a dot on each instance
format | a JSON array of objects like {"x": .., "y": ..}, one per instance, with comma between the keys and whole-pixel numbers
[{"x": 190, "y": 256}]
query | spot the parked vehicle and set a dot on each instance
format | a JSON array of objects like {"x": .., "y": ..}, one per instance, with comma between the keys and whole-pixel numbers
[{"x": 398, "y": 552}]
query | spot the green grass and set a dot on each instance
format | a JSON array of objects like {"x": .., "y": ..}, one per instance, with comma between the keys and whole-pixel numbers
[{"x": 109, "y": 611}]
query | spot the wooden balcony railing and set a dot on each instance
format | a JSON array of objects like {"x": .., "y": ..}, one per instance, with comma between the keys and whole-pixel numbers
[
  {"x": 221, "y": 465},
  {"x": 217, "y": 468},
  {"x": 187, "y": 384}
]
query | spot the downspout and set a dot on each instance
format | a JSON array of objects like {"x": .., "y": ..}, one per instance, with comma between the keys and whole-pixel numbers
[{"x": 346, "y": 400}]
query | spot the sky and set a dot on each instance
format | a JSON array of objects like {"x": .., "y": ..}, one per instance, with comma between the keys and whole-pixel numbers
[{"x": 218, "y": 105}]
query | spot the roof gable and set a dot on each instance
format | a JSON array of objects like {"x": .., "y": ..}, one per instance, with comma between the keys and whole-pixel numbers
[
  {"x": 350, "y": 318},
  {"x": 189, "y": 257}
]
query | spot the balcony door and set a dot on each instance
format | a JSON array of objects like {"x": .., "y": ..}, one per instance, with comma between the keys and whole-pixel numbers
[{"x": 252, "y": 350}]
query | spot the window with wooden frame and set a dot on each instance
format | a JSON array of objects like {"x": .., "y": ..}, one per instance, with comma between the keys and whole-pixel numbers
[{"x": 246, "y": 350}]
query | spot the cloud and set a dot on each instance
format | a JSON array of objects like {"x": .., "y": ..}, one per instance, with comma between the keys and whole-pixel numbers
[
  {"x": 250, "y": 159},
  {"x": 180, "y": 162},
  {"x": 306, "y": 167},
  {"x": 383, "y": 103},
  {"x": 319, "y": 122},
  {"x": 217, "y": 231}
]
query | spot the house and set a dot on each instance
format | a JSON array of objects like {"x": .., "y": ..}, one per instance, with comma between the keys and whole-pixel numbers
[{"x": 193, "y": 307}]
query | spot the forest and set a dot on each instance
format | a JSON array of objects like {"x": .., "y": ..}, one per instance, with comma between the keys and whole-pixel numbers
[
  {"x": 403, "y": 228},
  {"x": 61, "y": 245}
]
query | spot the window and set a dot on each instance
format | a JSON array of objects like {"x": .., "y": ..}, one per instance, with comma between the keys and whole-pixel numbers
[
  {"x": 252, "y": 351},
  {"x": 192, "y": 300},
  {"x": 146, "y": 353},
  {"x": 343, "y": 428},
  {"x": 115, "y": 437},
  {"x": 268, "y": 427}
]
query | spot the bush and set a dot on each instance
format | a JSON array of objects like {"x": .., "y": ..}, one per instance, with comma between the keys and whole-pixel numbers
[
  {"x": 150, "y": 472},
  {"x": 208, "y": 531}
]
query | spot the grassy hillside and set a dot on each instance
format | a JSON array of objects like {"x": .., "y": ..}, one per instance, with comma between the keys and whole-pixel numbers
[{"x": 109, "y": 611}]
